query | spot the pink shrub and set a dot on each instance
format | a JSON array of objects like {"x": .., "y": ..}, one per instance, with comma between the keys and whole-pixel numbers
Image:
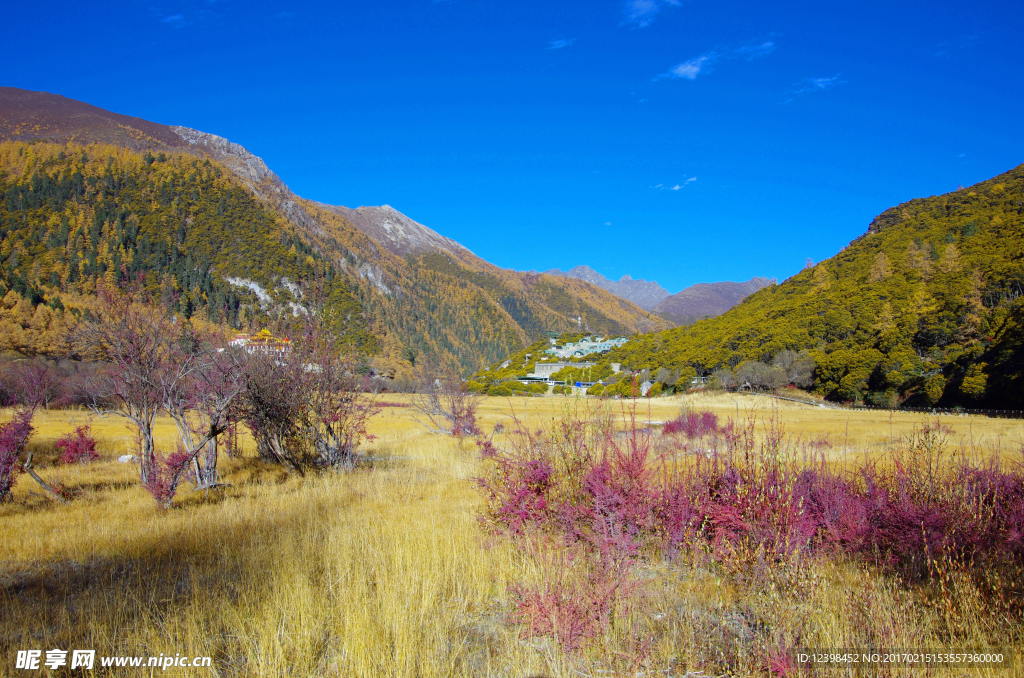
[
  {"x": 516, "y": 489},
  {"x": 693, "y": 424},
  {"x": 574, "y": 610},
  {"x": 611, "y": 504},
  {"x": 78, "y": 447},
  {"x": 781, "y": 664},
  {"x": 618, "y": 501},
  {"x": 163, "y": 476},
  {"x": 977, "y": 517}
]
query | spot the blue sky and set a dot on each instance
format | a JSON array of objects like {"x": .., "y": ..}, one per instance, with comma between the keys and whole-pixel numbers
[{"x": 679, "y": 141}]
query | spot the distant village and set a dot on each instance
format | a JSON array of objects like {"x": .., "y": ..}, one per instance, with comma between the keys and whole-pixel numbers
[
  {"x": 558, "y": 354},
  {"x": 263, "y": 342},
  {"x": 567, "y": 355}
]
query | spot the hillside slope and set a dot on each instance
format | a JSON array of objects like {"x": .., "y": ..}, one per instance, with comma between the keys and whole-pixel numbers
[
  {"x": 72, "y": 218},
  {"x": 216, "y": 228},
  {"x": 924, "y": 308}
]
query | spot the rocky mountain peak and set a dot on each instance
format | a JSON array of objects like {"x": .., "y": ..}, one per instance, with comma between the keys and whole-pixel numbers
[
  {"x": 644, "y": 294},
  {"x": 397, "y": 232},
  {"x": 241, "y": 161}
]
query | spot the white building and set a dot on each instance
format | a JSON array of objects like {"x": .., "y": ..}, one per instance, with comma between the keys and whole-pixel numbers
[
  {"x": 545, "y": 370},
  {"x": 586, "y": 346}
]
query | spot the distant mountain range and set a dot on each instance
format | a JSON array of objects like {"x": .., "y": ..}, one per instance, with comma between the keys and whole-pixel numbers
[
  {"x": 206, "y": 219},
  {"x": 706, "y": 300},
  {"x": 703, "y": 300},
  {"x": 644, "y": 294}
]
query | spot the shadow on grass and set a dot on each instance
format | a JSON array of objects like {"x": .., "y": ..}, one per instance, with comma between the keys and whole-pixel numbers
[
  {"x": 89, "y": 605},
  {"x": 175, "y": 573}
]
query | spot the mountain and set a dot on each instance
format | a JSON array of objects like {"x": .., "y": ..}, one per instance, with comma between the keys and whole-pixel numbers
[
  {"x": 644, "y": 294},
  {"x": 396, "y": 232},
  {"x": 705, "y": 300},
  {"x": 25, "y": 116},
  {"x": 926, "y": 308},
  {"x": 90, "y": 196}
]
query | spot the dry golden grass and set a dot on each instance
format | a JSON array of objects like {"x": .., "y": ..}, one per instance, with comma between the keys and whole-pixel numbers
[{"x": 385, "y": 571}]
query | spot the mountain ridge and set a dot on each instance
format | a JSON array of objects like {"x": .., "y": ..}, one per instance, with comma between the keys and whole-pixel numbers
[
  {"x": 704, "y": 300},
  {"x": 644, "y": 294},
  {"x": 423, "y": 296}
]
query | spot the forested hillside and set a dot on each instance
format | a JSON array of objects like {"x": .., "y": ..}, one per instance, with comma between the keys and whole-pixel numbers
[
  {"x": 453, "y": 307},
  {"x": 925, "y": 308},
  {"x": 72, "y": 218},
  {"x": 90, "y": 195}
]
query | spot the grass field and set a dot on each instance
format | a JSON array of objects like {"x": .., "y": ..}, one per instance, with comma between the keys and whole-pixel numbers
[{"x": 385, "y": 571}]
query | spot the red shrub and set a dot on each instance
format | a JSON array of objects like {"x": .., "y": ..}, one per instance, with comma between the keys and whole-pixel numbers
[
  {"x": 574, "y": 609},
  {"x": 609, "y": 503},
  {"x": 520, "y": 499},
  {"x": 78, "y": 447},
  {"x": 693, "y": 424},
  {"x": 161, "y": 474}
]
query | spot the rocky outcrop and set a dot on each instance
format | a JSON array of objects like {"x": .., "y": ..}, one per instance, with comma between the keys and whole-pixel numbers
[{"x": 397, "y": 232}]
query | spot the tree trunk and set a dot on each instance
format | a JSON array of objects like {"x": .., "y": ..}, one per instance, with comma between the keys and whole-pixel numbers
[{"x": 42, "y": 483}]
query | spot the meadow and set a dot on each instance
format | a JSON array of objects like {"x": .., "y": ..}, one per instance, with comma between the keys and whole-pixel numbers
[{"x": 388, "y": 570}]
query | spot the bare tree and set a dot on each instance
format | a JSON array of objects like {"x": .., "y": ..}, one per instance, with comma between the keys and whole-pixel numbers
[
  {"x": 775, "y": 378},
  {"x": 752, "y": 373},
  {"x": 799, "y": 367},
  {"x": 725, "y": 378},
  {"x": 34, "y": 383},
  {"x": 309, "y": 407},
  {"x": 446, "y": 403},
  {"x": 340, "y": 401},
  {"x": 200, "y": 402},
  {"x": 132, "y": 337},
  {"x": 272, "y": 405},
  {"x": 665, "y": 376}
]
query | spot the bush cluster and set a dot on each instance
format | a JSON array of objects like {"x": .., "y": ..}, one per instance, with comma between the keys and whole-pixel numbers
[
  {"x": 77, "y": 447},
  {"x": 737, "y": 498}
]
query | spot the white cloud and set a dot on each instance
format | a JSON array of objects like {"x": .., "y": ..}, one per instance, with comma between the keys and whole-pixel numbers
[
  {"x": 816, "y": 84},
  {"x": 755, "y": 51},
  {"x": 809, "y": 85},
  {"x": 174, "y": 19},
  {"x": 641, "y": 13},
  {"x": 677, "y": 186},
  {"x": 559, "y": 44},
  {"x": 691, "y": 68}
]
